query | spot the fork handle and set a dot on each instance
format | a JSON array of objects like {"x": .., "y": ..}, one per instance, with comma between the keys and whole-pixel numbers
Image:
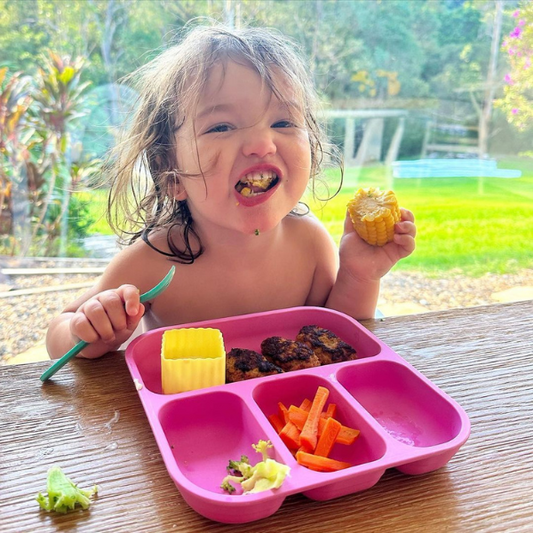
[{"x": 60, "y": 363}]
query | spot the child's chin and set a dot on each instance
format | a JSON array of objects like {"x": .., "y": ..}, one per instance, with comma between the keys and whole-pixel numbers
[
  {"x": 255, "y": 230},
  {"x": 260, "y": 227}
]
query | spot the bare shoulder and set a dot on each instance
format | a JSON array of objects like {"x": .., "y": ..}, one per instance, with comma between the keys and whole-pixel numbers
[
  {"x": 137, "y": 264},
  {"x": 311, "y": 232},
  {"x": 322, "y": 252}
]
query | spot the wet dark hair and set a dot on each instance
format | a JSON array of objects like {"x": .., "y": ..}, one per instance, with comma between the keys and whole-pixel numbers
[{"x": 144, "y": 166}]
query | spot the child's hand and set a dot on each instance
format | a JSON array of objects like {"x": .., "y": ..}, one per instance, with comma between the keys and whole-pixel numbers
[
  {"x": 109, "y": 318},
  {"x": 364, "y": 262}
]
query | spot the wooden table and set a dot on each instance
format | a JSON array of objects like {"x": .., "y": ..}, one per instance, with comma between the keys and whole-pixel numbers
[{"x": 90, "y": 421}]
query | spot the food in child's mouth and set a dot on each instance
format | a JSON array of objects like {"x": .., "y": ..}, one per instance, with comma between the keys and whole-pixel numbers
[
  {"x": 256, "y": 183},
  {"x": 374, "y": 213},
  {"x": 288, "y": 354},
  {"x": 63, "y": 494},
  {"x": 244, "y": 364}
]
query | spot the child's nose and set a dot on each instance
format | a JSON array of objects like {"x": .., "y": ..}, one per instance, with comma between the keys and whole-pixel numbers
[{"x": 259, "y": 142}]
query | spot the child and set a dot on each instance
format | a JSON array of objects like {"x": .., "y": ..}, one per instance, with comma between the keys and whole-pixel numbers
[{"x": 220, "y": 151}]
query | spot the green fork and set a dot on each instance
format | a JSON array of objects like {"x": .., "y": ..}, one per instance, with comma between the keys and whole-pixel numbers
[{"x": 152, "y": 293}]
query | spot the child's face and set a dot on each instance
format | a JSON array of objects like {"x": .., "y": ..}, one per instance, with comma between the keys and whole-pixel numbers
[{"x": 252, "y": 149}]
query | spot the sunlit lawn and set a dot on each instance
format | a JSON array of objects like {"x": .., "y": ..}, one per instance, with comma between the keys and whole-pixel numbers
[
  {"x": 474, "y": 225},
  {"x": 467, "y": 224}
]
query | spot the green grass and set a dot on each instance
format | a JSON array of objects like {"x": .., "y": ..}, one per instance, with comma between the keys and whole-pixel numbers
[
  {"x": 468, "y": 225},
  {"x": 97, "y": 210}
]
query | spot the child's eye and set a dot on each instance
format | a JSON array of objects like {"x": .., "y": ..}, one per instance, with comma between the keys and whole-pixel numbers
[
  {"x": 219, "y": 128},
  {"x": 283, "y": 124}
]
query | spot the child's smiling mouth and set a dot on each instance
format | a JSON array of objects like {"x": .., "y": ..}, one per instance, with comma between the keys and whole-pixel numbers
[{"x": 256, "y": 183}]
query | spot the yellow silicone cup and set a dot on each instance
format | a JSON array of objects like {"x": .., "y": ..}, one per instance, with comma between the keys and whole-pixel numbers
[{"x": 192, "y": 358}]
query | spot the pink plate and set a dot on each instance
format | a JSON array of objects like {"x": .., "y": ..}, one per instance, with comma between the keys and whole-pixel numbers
[{"x": 405, "y": 421}]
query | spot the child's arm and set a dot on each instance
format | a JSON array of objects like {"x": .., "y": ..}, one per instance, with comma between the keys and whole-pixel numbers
[
  {"x": 107, "y": 315},
  {"x": 104, "y": 319},
  {"x": 362, "y": 266},
  {"x": 353, "y": 286}
]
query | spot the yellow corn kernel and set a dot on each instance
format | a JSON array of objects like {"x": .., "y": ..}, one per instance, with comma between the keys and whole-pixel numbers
[{"x": 374, "y": 213}]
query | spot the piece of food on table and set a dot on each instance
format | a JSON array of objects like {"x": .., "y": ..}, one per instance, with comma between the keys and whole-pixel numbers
[
  {"x": 327, "y": 346},
  {"x": 374, "y": 213},
  {"x": 288, "y": 354},
  {"x": 63, "y": 494},
  {"x": 244, "y": 364},
  {"x": 265, "y": 475},
  {"x": 192, "y": 358}
]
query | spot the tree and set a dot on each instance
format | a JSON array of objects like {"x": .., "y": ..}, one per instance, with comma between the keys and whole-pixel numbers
[
  {"x": 59, "y": 97},
  {"x": 15, "y": 132},
  {"x": 485, "y": 110},
  {"x": 517, "y": 102}
]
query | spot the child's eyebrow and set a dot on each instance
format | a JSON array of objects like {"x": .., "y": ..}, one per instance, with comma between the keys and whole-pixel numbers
[
  {"x": 209, "y": 110},
  {"x": 291, "y": 106}
]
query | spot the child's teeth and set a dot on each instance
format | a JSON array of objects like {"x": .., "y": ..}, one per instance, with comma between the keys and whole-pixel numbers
[{"x": 255, "y": 182}]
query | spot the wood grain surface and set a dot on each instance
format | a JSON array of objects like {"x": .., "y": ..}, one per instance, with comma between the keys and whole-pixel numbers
[{"x": 89, "y": 421}]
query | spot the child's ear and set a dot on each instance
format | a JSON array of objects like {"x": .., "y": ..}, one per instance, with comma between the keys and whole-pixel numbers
[{"x": 176, "y": 190}]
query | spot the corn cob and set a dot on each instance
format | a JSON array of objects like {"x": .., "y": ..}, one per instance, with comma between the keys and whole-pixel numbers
[{"x": 374, "y": 213}]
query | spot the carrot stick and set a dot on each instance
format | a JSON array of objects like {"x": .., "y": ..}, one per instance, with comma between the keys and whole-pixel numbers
[
  {"x": 306, "y": 404},
  {"x": 309, "y": 434},
  {"x": 331, "y": 410},
  {"x": 283, "y": 412},
  {"x": 276, "y": 421},
  {"x": 320, "y": 464},
  {"x": 347, "y": 435},
  {"x": 290, "y": 435},
  {"x": 328, "y": 437},
  {"x": 297, "y": 416}
]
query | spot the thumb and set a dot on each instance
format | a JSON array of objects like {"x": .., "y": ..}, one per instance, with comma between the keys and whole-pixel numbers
[{"x": 133, "y": 321}]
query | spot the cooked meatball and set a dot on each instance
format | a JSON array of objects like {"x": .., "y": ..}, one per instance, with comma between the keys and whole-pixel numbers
[
  {"x": 244, "y": 364},
  {"x": 326, "y": 345},
  {"x": 288, "y": 354}
]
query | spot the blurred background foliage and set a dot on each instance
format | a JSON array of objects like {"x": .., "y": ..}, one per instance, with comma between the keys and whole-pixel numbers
[{"x": 61, "y": 96}]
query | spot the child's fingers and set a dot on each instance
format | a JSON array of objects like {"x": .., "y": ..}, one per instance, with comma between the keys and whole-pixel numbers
[
  {"x": 91, "y": 323},
  {"x": 405, "y": 227},
  {"x": 81, "y": 328},
  {"x": 101, "y": 312},
  {"x": 113, "y": 305},
  {"x": 133, "y": 321},
  {"x": 131, "y": 297},
  {"x": 406, "y": 242},
  {"x": 108, "y": 314},
  {"x": 348, "y": 224},
  {"x": 105, "y": 315},
  {"x": 405, "y": 233},
  {"x": 407, "y": 215}
]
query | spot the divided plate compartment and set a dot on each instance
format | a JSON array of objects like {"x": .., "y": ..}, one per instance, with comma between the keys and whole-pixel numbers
[{"x": 405, "y": 421}]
